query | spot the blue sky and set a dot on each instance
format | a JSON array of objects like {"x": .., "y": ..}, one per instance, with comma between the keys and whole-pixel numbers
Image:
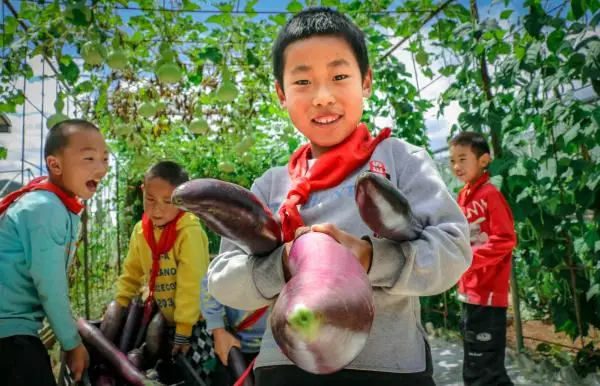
[{"x": 438, "y": 128}]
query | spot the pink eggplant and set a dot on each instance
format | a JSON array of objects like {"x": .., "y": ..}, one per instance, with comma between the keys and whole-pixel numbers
[
  {"x": 132, "y": 324},
  {"x": 384, "y": 208},
  {"x": 112, "y": 322},
  {"x": 231, "y": 211},
  {"x": 323, "y": 316},
  {"x": 93, "y": 338}
]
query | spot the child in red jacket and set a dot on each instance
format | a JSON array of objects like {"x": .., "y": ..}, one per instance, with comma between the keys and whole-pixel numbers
[{"x": 484, "y": 286}]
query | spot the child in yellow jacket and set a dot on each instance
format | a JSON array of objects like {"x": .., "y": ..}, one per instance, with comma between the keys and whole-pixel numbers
[{"x": 180, "y": 247}]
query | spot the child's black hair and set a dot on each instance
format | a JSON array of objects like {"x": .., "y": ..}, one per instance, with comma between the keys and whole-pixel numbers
[
  {"x": 169, "y": 171},
  {"x": 476, "y": 141},
  {"x": 319, "y": 21},
  {"x": 58, "y": 136}
]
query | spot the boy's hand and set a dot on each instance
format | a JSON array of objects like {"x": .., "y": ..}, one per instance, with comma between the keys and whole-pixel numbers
[
  {"x": 183, "y": 348},
  {"x": 286, "y": 268},
  {"x": 362, "y": 249},
  {"x": 224, "y": 341},
  {"x": 78, "y": 360}
]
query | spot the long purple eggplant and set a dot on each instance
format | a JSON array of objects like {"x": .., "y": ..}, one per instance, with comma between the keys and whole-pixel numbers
[
  {"x": 156, "y": 338},
  {"x": 136, "y": 357},
  {"x": 112, "y": 322},
  {"x": 132, "y": 324},
  {"x": 231, "y": 211},
  {"x": 93, "y": 338},
  {"x": 384, "y": 209},
  {"x": 105, "y": 380},
  {"x": 236, "y": 364},
  {"x": 323, "y": 316}
]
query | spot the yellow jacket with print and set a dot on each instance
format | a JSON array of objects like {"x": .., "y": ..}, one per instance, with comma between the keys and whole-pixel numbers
[{"x": 177, "y": 287}]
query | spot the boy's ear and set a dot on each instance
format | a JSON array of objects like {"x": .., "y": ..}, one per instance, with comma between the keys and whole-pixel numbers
[
  {"x": 368, "y": 83},
  {"x": 485, "y": 160},
  {"x": 142, "y": 187},
  {"x": 54, "y": 165},
  {"x": 280, "y": 93}
]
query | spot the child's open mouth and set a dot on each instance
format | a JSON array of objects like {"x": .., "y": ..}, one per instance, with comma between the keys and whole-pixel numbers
[
  {"x": 326, "y": 119},
  {"x": 92, "y": 185}
]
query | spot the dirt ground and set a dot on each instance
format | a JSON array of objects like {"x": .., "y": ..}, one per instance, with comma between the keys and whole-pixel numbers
[{"x": 536, "y": 332}]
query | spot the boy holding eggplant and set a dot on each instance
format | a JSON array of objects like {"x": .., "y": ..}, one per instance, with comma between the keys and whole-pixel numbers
[
  {"x": 168, "y": 250},
  {"x": 484, "y": 287},
  {"x": 39, "y": 226},
  {"x": 322, "y": 74}
]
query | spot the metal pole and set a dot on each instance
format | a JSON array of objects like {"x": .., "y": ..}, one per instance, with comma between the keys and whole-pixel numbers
[
  {"x": 42, "y": 120},
  {"x": 23, "y": 135},
  {"x": 84, "y": 224},
  {"x": 118, "y": 219}
]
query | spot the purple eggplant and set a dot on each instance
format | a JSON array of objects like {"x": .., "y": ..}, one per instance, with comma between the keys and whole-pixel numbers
[
  {"x": 323, "y": 316},
  {"x": 112, "y": 322},
  {"x": 231, "y": 211},
  {"x": 93, "y": 338},
  {"x": 132, "y": 324},
  {"x": 156, "y": 338},
  {"x": 384, "y": 209},
  {"x": 236, "y": 364},
  {"x": 105, "y": 380},
  {"x": 136, "y": 357}
]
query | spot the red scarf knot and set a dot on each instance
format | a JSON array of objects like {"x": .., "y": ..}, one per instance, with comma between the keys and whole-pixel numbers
[{"x": 328, "y": 171}]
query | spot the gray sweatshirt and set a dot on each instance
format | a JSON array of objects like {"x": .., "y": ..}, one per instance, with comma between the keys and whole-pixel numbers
[{"x": 399, "y": 274}]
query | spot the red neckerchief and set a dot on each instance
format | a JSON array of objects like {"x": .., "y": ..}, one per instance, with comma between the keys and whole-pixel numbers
[
  {"x": 329, "y": 170},
  {"x": 467, "y": 192},
  {"x": 72, "y": 203},
  {"x": 165, "y": 244}
]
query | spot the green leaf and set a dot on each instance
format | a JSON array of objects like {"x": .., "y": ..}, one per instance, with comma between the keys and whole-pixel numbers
[
  {"x": 448, "y": 70},
  {"x": 294, "y": 6},
  {"x": 330, "y": 3},
  {"x": 505, "y": 15},
  {"x": 3, "y": 152},
  {"x": 578, "y": 8},
  {"x": 83, "y": 87},
  {"x": 593, "y": 291},
  {"x": 69, "y": 70},
  {"x": 280, "y": 19},
  {"x": 8, "y": 107},
  {"x": 59, "y": 103},
  {"x": 555, "y": 39},
  {"x": 534, "y": 21},
  {"x": 422, "y": 58},
  {"x": 580, "y": 246}
]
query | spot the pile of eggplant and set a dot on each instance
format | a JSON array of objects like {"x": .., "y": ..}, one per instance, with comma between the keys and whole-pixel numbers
[
  {"x": 322, "y": 318},
  {"x": 122, "y": 350}
]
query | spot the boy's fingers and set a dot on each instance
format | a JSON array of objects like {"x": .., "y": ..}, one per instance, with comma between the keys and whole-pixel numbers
[
  {"x": 300, "y": 231},
  {"x": 333, "y": 231}
]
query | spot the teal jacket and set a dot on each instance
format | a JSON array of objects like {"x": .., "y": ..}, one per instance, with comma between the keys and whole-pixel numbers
[{"x": 37, "y": 240}]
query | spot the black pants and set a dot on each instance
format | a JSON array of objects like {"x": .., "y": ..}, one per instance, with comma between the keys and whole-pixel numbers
[
  {"x": 24, "y": 361},
  {"x": 222, "y": 375},
  {"x": 295, "y": 376},
  {"x": 484, "y": 336}
]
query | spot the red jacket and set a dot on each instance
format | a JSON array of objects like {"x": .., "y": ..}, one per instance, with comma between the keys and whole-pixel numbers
[{"x": 493, "y": 238}]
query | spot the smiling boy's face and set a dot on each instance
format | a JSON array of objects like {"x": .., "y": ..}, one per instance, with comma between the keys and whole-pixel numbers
[
  {"x": 323, "y": 90},
  {"x": 81, "y": 165}
]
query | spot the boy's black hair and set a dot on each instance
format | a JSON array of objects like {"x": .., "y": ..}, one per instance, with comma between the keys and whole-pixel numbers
[
  {"x": 319, "y": 21},
  {"x": 58, "y": 136},
  {"x": 476, "y": 141},
  {"x": 169, "y": 171}
]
